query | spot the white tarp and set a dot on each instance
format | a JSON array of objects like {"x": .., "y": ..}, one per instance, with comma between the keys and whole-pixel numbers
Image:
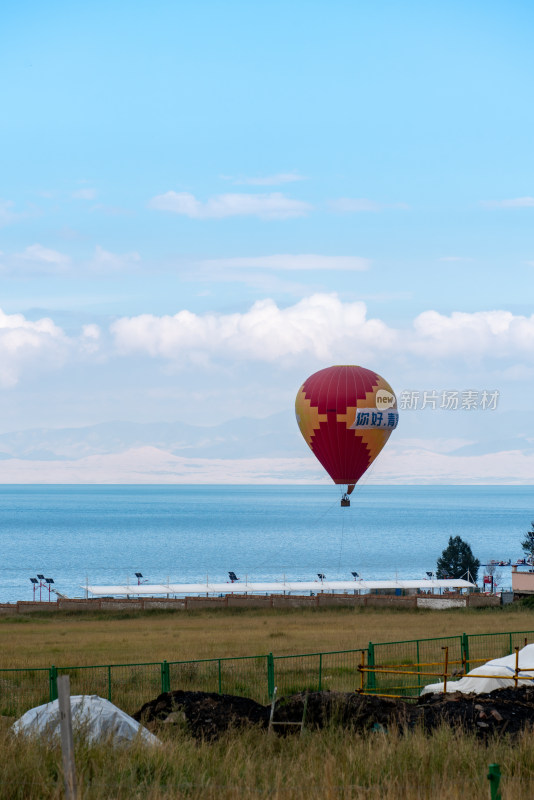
[
  {"x": 97, "y": 719},
  {"x": 499, "y": 666}
]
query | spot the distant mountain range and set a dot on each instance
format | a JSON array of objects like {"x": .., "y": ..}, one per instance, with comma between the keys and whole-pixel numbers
[
  {"x": 426, "y": 448},
  {"x": 276, "y": 436}
]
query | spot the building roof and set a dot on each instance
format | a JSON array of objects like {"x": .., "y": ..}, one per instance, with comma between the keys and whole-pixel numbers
[{"x": 272, "y": 587}]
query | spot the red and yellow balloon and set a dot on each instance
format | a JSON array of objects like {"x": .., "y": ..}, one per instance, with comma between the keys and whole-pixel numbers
[{"x": 346, "y": 415}]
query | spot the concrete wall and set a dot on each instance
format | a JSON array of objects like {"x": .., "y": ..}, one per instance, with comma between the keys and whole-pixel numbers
[
  {"x": 522, "y": 582},
  {"x": 251, "y": 601},
  {"x": 439, "y": 603}
]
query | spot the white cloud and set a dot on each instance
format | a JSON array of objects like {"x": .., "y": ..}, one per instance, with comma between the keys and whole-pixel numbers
[
  {"x": 45, "y": 255},
  {"x": 90, "y": 338},
  {"x": 28, "y": 346},
  {"x": 323, "y": 328},
  {"x": 496, "y": 334},
  {"x": 105, "y": 260},
  {"x": 354, "y": 204},
  {"x": 85, "y": 194},
  {"x": 319, "y": 326},
  {"x": 514, "y": 202},
  {"x": 268, "y": 180},
  {"x": 265, "y": 206},
  {"x": 302, "y": 261}
]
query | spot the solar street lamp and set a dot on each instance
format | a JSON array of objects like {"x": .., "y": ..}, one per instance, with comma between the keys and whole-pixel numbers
[
  {"x": 41, "y": 584},
  {"x": 34, "y": 586},
  {"x": 321, "y": 576},
  {"x": 139, "y": 576},
  {"x": 49, "y": 581},
  {"x": 233, "y": 577},
  {"x": 354, "y": 575}
]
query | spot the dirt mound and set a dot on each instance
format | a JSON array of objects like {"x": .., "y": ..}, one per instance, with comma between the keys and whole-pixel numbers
[
  {"x": 207, "y": 715},
  {"x": 358, "y": 711},
  {"x": 502, "y": 711}
]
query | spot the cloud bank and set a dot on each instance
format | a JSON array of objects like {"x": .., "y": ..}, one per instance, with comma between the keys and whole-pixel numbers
[
  {"x": 26, "y": 345},
  {"x": 274, "y": 205},
  {"x": 319, "y": 329},
  {"x": 44, "y": 255},
  {"x": 324, "y": 328}
]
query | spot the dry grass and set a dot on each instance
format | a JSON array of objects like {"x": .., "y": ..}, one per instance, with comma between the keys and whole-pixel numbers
[
  {"x": 82, "y": 639},
  {"x": 328, "y": 764}
]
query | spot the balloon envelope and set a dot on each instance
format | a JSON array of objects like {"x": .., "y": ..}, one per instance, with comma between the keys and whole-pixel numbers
[{"x": 346, "y": 415}]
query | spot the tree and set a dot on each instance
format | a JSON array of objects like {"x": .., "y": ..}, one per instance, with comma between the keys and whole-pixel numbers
[
  {"x": 528, "y": 542},
  {"x": 457, "y": 560},
  {"x": 494, "y": 574}
]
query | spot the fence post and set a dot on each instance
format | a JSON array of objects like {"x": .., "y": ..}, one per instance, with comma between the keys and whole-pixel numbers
[
  {"x": 165, "y": 677},
  {"x": 320, "y": 672},
  {"x": 52, "y": 682},
  {"x": 109, "y": 682},
  {"x": 371, "y": 679},
  {"x": 67, "y": 740},
  {"x": 445, "y": 668},
  {"x": 494, "y": 777},
  {"x": 270, "y": 675},
  {"x": 465, "y": 652},
  {"x": 418, "y": 666}
]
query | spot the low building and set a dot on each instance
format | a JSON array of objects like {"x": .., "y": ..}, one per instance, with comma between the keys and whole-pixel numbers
[{"x": 522, "y": 580}]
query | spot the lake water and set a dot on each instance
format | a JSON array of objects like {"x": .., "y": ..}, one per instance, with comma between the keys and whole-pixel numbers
[{"x": 107, "y": 533}]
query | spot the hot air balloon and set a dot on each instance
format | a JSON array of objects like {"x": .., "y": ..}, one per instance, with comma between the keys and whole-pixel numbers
[{"x": 346, "y": 415}]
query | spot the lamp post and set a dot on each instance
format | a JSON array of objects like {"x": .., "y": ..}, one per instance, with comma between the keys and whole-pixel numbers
[
  {"x": 34, "y": 586},
  {"x": 48, "y": 582},
  {"x": 41, "y": 584}
]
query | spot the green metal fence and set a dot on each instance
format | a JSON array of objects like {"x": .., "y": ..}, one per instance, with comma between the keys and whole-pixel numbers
[
  {"x": 247, "y": 675},
  {"x": 464, "y": 653},
  {"x": 413, "y": 653},
  {"x": 21, "y": 689},
  {"x": 130, "y": 685}
]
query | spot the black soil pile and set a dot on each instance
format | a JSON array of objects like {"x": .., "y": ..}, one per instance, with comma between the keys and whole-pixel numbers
[
  {"x": 503, "y": 711},
  {"x": 207, "y": 715}
]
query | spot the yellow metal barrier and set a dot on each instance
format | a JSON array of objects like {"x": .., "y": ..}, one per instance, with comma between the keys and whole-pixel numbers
[{"x": 445, "y": 675}]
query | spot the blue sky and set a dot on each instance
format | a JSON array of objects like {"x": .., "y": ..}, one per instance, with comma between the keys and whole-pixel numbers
[{"x": 199, "y": 159}]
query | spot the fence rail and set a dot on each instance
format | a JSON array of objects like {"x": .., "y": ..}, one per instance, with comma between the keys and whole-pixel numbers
[
  {"x": 382, "y": 668},
  {"x": 516, "y": 676}
]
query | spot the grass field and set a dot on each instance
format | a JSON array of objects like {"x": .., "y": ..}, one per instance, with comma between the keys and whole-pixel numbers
[
  {"x": 325, "y": 764},
  {"x": 84, "y": 638}
]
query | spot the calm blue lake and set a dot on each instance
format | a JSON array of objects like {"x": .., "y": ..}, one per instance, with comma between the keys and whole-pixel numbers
[{"x": 185, "y": 532}]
